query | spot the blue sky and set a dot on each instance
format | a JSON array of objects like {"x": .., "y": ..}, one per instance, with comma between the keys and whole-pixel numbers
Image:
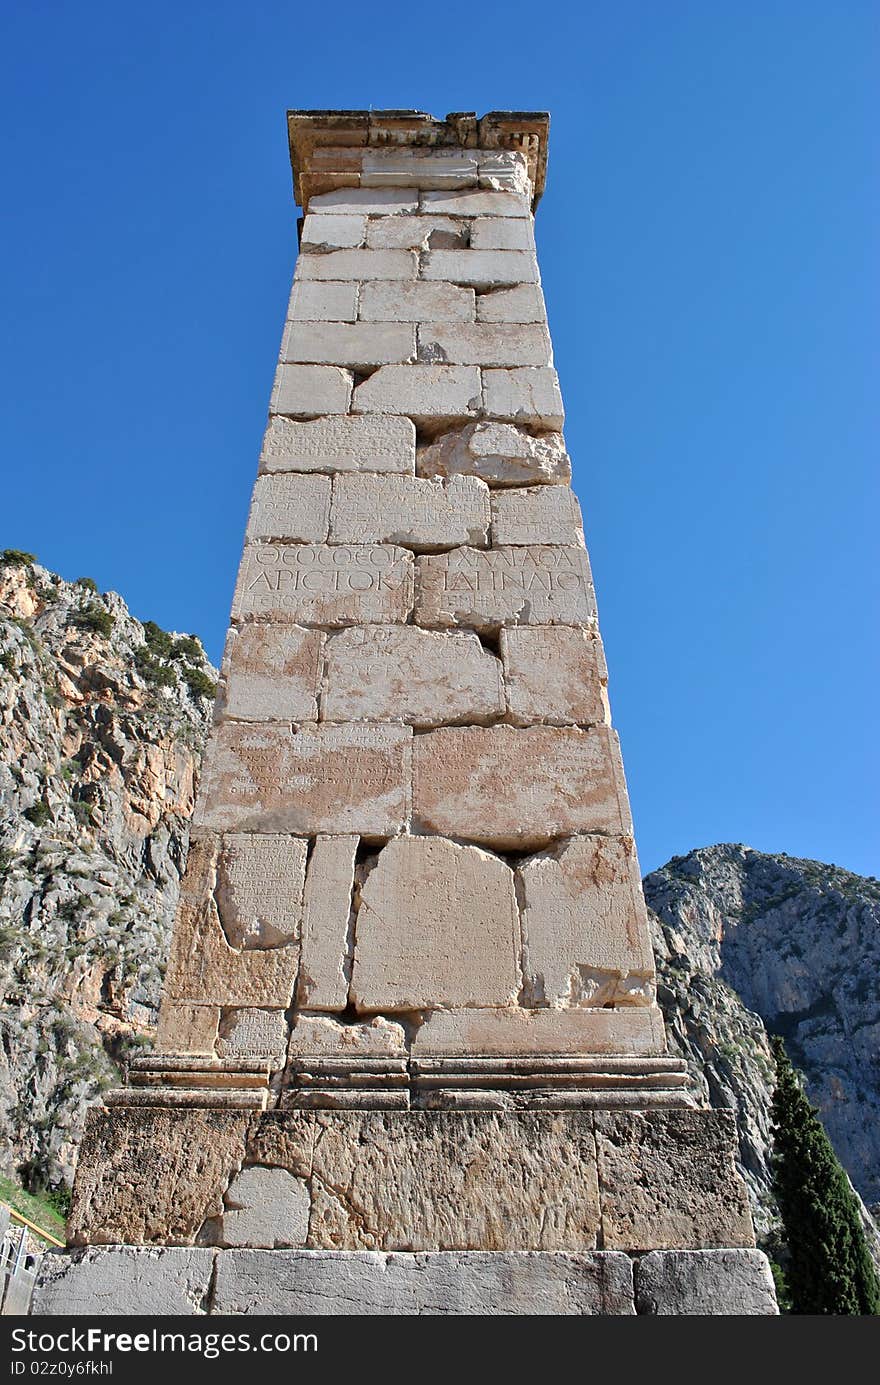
[{"x": 708, "y": 246}]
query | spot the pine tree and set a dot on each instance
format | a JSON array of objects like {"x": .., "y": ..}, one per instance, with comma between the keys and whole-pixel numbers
[{"x": 830, "y": 1269}]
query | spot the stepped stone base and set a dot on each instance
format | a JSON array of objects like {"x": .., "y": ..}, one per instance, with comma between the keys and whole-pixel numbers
[{"x": 141, "y": 1281}]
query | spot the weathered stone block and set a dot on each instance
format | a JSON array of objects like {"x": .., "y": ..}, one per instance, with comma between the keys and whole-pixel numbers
[
  {"x": 354, "y": 344},
  {"x": 488, "y": 344},
  {"x": 505, "y": 170},
  {"x": 585, "y": 928},
  {"x": 309, "y": 390},
  {"x": 692, "y": 1283},
  {"x": 327, "y": 912},
  {"x": 325, "y": 584},
  {"x": 537, "y": 514},
  {"x": 264, "y": 1208},
  {"x": 402, "y": 673},
  {"x": 668, "y": 1181},
  {"x": 499, "y": 453},
  {"x": 333, "y": 779},
  {"x": 333, "y": 231},
  {"x": 522, "y": 303},
  {"x": 525, "y": 395},
  {"x": 511, "y": 789},
  {"x": 502, "y": 233},
  {"x": 187, "y": 1028},
  {"x": 437, "y": 924},
  {"x": 323, "y": 302},
  {"x": 410, "y": 511},
  {"x": 360, "y": 265},
  {"x": 445, "y": 1283},
  {"x": 481, "y": 268},
  {"x": 259, "y": 888},
  {"x": 250, "y": 1033},
  {"x": 272, "y": 672},
  {"x": 366, "y": 201},
  {"x": 515, "y": 1032},
  {"x": 507, "y": 586},
  {"x": 290, "y": 506},
  {"x": 415, "y": 233},
  {"x": 377, "y": 442},
  {"x": 468, "y": 203},
  {"x": 318, "y": 1036},
  {"x": 430, "y": 168},
  {"x": 554, "y": 673},
  {"x": 416, "y": 302},
  {"x": 125, "y": 1281},
  {"x": 427, "y": 393}
]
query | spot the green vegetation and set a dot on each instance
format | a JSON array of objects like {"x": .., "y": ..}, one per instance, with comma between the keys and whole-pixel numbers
[
  {"x": 152, "y": 671},
  {"x": 38, "y": 813},
  {"x": 88, "y": 582},
  {"x": 46, "y": 1210},
  {"x": 14, "y": 557},
  {"x": 198, "y": 682},
  {"x": 7, "y": 661},
  {"x": 829, "y": 1269},
  {"x": 94, "y": 617},
  {"x": 156, "y": 658}
]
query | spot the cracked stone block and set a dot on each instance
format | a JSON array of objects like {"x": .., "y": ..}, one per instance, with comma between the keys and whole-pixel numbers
[
  {"x": 323, "y": 302},
  {"x": 187, "y": 1028},
  {"x": 416, "y": 302},
  {"x": 333, "y": 231},
  {"x": 426, "y": 393},
  {"x": 554, "y": 673},
  {"x": 481, "y": 268},
  {"x": 526, "y": 394},
  {"x": 537, "y": 514},
  {"x": 265, "y": 1208},
  {"x": 319, "y": 1036},
  {"x": 522, "y": 303},
  {"x": 410, "y": 511},
  {"x": 123, "y": 1281},
  {"x": 502, "y": 233},
  {"x": 288, "y": 506},
  {"x": 585, "y": 927},
  {"x": 250, "y": 1033},
  {"x": 272, "y": 672},
  {"x": 325, "y": 584},
  {"x": 478, "y": 343},
  {"x": 311, "y": 390},
  {"x": 472, "y": 204},
  {"x": 401, "y": 673},
  {"x": 332, "y": 779},
  {"x": 692, "y": 1283},
  {"x": 359, "y": 265},
  {"x": 259, "y": 889},
  {"x": 499, "y": 453},
  {"x": 340, "y": 443},
  {"x": 366, "y": 201},
  {"x": 355, "y": 344},
  {"x": 327, "y": 909},
  {"x": 519, "y": 1032},
  {"x": 437, "y": 924},
  {"x": 531, "y": 585},
  {"x": 511, "y": 788},
  {"x": 415, "y": 233}
]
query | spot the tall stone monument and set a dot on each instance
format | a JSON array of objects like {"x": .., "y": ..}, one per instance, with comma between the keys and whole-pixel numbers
[{"x": 410, "y": 1056}]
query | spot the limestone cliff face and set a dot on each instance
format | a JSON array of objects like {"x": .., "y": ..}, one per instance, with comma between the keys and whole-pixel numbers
[{"x": 102, "y": 721}]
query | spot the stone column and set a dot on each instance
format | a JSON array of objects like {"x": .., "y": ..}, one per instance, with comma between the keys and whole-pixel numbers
[{"x": 410, "y": 1004}]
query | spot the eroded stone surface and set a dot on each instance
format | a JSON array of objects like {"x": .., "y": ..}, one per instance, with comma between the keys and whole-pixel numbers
[
  {"x": 359, "y": 265},
  {"x": 249, "y": 1033},
  {"x": 327, "y": 911},
  {"x": 519, "y": 1032},
  {"x": 333, "y": 231},
  {"x": 410, "y": 511},
  {"x": 510, "y": 788},
  {"x": 187, "y": 1028},
  {"x": 468, "y": 203},
  {"x": 259, "y": 888},
  {"x": 398, "y": 301},
  {"x": 526, "y": 394},
  {"x": 485, "y": 344},
  {"x": 323, "y": 302},
  {"x": 534, "y": 585},
  {"x": 307, "y": 391},
  {"x": 426, "y": 393},
  {"x": 691, "y": 1283},
  {"x": 122, "y": 1282},
  {"x": 264, "y": 1208},
  {"x": 437, "y": 924},
  {"x": 482, "y": 268},
  {"x": 325, "y": 584},
  {"x": 287, "y": 506},
  {"x": 537, "y": 514},
  {"x": 501, "y": 454},
  {"x": 522, "y": 303},
  {"x": 366, "y": 201},
  {"x": 554, "y": 673},
  {"x": 272, "y": 672},
  {"x": 367, "y": 442},
  {"x": 502, "y": 233},
  {"x": 356, "y": 344},
  {"x": 416, "y": 233},
  {"x": 401, "y": 673}
]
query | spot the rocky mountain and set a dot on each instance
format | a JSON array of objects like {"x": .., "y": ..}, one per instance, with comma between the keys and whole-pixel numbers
[{"x": 102, "y": 721}]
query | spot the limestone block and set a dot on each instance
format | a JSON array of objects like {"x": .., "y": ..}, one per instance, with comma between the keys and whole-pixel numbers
[
  {"x": 259, "y": 889},
  {"x": 325, "y": 584},
  {"x": 470, "y": 204},
  {"x": 318, "y": 1036},
  {"x": 697, "y": 1283},
  {"x": 148, "y": 1174},
  {"x": 427, "y": 393},
  {"x": 416, "y": 233},
  {"x": 499, "y": 453},
  {"x": 359, "y": 265},
  {"x": 418, "y": 302},
  {"x": 475, "y": 343},
  {"x": 524, "y": 303},
  {"x": 516, "y": 1032},
  {"x": 554, "y": 673},
  {"x": 505, "y": 170},
  {"x": 507, "y": 586},
  {"x": 310, "y": 390},
  {"x": 536, "y": 514},
  {"x": 354, "y": 344},
  {"x": 203, "y": 967},
  {"x": 446, "y": 1283},
  {"x": 333, "y": 231},
  {"x": 327, "y": 916},
  {"x": 290, "y": 506},
  {"x": 122, "y": 1282},
  {"x": 333, "y": 779},
  {"x": 502, "y": 233},
  {"x": 272, "y": 672},
  {"x": 265, "y": 1208},
  {"x": 585, "y": 927},
  {"x": 512, "y": 789},
  {"x": 482, "y": 268},
  {"x": 402, "y": 673},
  {"x": 525, "y": 395},
  {"x": 437, "y": 924},
  {"x": 366, "y": 201},
  {"x": 187, "y": 1028},
  {"x": 429, "y": 168},
  {"x": 377, "y": 442},
  {"x": 668, "y": 1181},
  {"x": 249, "y": 1033},
  {"x": 407, "y": 510},
  {"x": 440, "y": 1180},
  {"x": 323, "y": 302}
]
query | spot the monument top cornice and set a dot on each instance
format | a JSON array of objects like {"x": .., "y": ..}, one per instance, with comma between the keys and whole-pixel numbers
[{"x": 523, "y": 132}]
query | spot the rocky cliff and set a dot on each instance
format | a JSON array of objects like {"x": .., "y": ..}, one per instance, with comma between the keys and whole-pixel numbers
[{"x": 102, "y": 721}]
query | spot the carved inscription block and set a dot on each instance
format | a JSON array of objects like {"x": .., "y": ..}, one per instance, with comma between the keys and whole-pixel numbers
[
  {"x": 319, "y": 584},
  {"x": 410, "y": 511},
  {"x": 290, "y": 507},
  {"x": 533, "y": 585},
  {"x": 272, "y": 672},
  {"x": 259, "y": 890},
  {"x": 537, "y": 514},
  {"x": 511, "y": 789},
  {"x": 510, "y": 1032},
  {"x": 554, "y": 673},
  {"x": 341, "y": 442}
]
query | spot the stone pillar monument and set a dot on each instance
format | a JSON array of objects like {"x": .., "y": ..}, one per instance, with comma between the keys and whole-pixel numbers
[{"x": 410, "y": 1056}]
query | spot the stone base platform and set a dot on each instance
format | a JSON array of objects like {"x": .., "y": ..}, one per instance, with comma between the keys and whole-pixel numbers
[{"x": 142, "y": 1281}]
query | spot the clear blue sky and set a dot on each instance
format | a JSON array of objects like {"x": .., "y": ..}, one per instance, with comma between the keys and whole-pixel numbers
[{"x": 708, "y": 241}]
